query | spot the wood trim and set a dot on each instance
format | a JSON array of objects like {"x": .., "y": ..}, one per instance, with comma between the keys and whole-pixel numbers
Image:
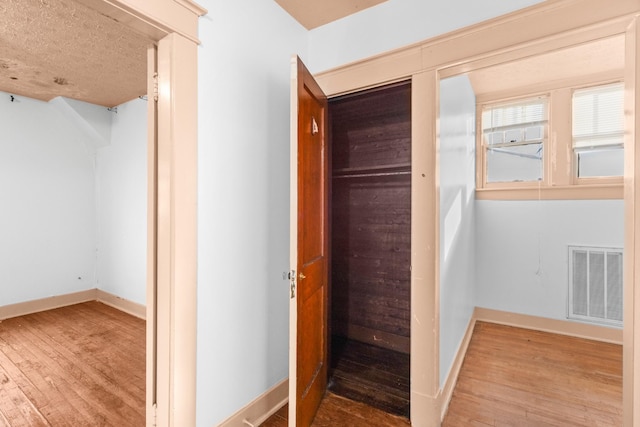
[
  {"x": 631, "y": 352},
  {"x": 425, "y": 251},
  {"x": 572, "y": 192},
  {"x": 133, "y": 308},
  {"x": 452, "y": 377},
  {"x": 177, "y": 231},
  {"x": 53, "y": 302},
  {"x": 261, "y": 408},
  {"x": 560, "y": 141},
  {"x": 550, "y": 25},
  {"x": 562, "y": 327},
  {"x": 154, "y": 19},
  {"x": 44, "y": 304},
  {"x": 293, "y": 239},
  {"x": 152, "y": 234}
]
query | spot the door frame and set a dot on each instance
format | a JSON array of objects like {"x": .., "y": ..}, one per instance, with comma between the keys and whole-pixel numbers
[
  {"x": 172, "y": 25},
  {"x": 550, "y": 25}
]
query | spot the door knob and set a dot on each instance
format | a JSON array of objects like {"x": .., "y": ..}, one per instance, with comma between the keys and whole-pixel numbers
[{"x": 301, "y": 276}]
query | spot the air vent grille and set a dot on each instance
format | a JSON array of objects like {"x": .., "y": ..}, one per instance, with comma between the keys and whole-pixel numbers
[{"x": 595, "y": 284}]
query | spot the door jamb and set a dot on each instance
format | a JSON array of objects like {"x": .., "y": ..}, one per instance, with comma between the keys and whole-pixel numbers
[{"x": 172, "y": 193}]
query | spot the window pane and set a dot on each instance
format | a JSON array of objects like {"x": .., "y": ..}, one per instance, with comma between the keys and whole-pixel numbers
[
  {"x": 514, "y": 135},
  {"x": 598, "y": 110},
  {"x": 598, "y": 130},
  {"x": 601, "y": 162},
  {"x": 515, "y": 163}
]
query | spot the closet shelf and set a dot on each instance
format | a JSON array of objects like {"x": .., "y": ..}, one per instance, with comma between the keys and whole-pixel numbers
[{"x": 373, "y": 171}]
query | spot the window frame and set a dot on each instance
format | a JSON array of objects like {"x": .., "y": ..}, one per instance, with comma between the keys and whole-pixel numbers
[
  {"x": 560, "y": 179},
  {"x": 577, "y": 180},
  {"x": 481, "y": 147}
]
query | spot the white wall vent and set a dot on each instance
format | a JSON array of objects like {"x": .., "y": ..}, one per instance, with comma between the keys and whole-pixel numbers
[{"x": 595, "y": 284}]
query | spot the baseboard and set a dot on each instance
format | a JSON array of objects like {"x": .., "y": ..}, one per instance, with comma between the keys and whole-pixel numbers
[
  {"x": 49, "y": 303},
  {"x": 130, "y": 307},
  {"x": 452, "y": 378},
  {"x": 563, "y": 327},
  {"x": 258, "y": 411}
]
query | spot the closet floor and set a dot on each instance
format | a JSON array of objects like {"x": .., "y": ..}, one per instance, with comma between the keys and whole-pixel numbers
[{"x": 369, "y": 374}]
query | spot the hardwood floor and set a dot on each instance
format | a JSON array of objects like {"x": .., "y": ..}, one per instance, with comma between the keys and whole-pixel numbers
[
  {"x": 339, "y": 411},
  {"x": 517, "y": 377},
  {"x": 82, "y": 365},
  {"x": 369, "y": 374},
  {"x": 512, "y": 377}
]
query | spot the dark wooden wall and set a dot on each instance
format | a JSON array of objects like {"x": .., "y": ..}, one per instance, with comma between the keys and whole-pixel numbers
[{"x": 371, "y": 216}]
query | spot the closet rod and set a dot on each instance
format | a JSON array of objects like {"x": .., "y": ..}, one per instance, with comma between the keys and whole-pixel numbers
[{"x": 372, "y": 174}]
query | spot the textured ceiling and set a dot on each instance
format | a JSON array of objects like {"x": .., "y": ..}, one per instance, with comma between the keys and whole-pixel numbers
[
  {"x": 603, "y": 56},
  {"x": 52, "y": 48},
  {"x": 312, "y": 14}
]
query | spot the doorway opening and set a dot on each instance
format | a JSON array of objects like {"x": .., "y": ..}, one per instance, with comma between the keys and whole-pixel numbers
[{"x": 370, "y": 241}]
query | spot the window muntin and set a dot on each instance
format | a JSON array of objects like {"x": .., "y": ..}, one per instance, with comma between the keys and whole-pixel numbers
[
  {"x": 514, "y": 135},
  {"x": 598, "y": 131}
]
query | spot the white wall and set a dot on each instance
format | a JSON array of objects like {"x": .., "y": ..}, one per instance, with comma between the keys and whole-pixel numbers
[
  {"x": 397, "y": 23},
  {"x": 243, "y": 199},
  {"x": 243, "y": 175},
  {"x": 522, "y": 250},
  {"x": 47, "y": 236},
  {"x": 457, "y": 223},
  {"x": 121, "y": 186}
]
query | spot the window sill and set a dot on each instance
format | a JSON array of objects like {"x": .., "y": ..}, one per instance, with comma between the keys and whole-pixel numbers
[{"x": 573, "y": 192}]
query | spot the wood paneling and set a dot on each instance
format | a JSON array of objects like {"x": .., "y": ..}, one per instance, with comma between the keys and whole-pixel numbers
[
  {"x": 519, "y": 377},
  {"x": 77, "y": 365},
  {"x": 371, "y": 216}
]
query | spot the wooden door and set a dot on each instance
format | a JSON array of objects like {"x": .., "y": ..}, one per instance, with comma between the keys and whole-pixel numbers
[{"x": 309, "y": 247}]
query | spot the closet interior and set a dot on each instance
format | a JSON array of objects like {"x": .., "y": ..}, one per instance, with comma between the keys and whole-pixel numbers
[{"x": 370, "y": 140}]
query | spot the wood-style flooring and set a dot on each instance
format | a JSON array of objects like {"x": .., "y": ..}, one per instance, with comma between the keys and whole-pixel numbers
[
  {"x": 338, "y": 411},
  {"x": 82, "y": 365},
  {"x": 373, "y": 375},
  {"x": 518, "y": 377},
  {"x": 512, "y": 377}
]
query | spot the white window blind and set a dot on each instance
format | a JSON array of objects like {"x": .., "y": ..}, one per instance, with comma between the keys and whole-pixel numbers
[
  {"x": 598, "y": 130},
  {"x": 514, "y": 135}
]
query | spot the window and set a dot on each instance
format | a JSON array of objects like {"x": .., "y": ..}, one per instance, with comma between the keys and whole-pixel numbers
[
  {"x": 513, "y": 140},
  {"x": 564, "y": 143},
  {"x": 598, "y": 131}
]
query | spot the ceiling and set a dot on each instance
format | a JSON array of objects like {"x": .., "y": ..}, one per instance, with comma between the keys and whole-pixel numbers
[
  {"x": 600, "y": 57},
  {"x": 56, "y": 48},
  {"x": 312, "y": 14}
]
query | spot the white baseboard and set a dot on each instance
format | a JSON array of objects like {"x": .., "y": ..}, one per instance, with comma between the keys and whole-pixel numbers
[
  {"x": 562, "y": 327},
  {"x": 258, "y": 411},
  {"x": 50, "y": 303},
  {"x": 43, "y": 304},
  {"x": 130, "y": 307},
  {"x": 452, "y": 378}
]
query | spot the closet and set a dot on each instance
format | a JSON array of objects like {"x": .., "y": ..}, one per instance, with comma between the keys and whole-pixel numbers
[{"x": 370, "y": 313}]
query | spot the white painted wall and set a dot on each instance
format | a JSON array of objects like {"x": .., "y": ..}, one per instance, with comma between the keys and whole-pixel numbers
[
  {"x": 243, "y": 202},
  {"x": 47, "y": 231},
  {"x": 457, "y": 216},
  {"x": 522, "y": 250},
  {"x": 121, "y": 187},
  {"x": 397, "y": 23}
]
